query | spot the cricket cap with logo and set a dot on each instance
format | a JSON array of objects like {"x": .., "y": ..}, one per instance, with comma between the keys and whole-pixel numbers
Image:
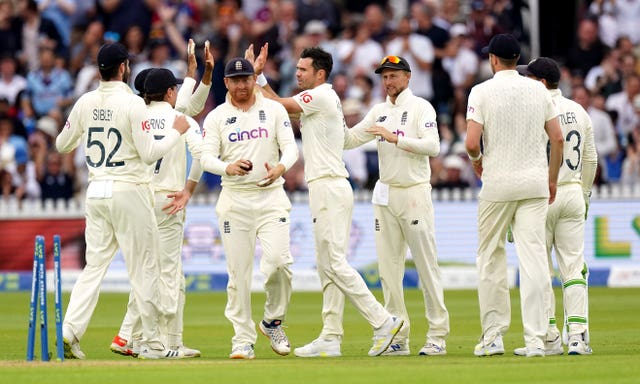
[
  {"x": 238, "y": 67},
  {"x": 393, "y": 62},
  {"x": 503, "y": 45},
  {"x": 542, "y": 68},
  {"x": 111, "y": 55},
  {"x": 159, "y": 80}
]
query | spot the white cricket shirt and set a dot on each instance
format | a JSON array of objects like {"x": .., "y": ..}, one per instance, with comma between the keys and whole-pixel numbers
[
  {"x": 259, "y": 135},
  {"x": 112, "y": 124},
  {"x": 169, "y": 172},
  {"x": 413, "y": 120},
  {"x": 322, "y": 126},
  {"x": 512, "y": 110}
]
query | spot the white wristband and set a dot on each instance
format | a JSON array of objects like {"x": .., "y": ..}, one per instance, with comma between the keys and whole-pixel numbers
[
  {"x": 476, "y": 158},
  {"x": 261, "y": 80}
]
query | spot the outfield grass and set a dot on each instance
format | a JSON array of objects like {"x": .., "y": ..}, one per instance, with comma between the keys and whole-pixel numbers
[{"x": 615, "y": 330}]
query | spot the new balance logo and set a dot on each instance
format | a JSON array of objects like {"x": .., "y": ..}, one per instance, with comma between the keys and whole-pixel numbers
[
  {"x": 282, "y": 219},
  {"x": 381, "y": 119},
  {"x": 414, "y": 222},
  {"x": 230, "y": 120}
]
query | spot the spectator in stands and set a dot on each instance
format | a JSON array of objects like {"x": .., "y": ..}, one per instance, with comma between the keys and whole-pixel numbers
[
  {"x": 451, "y": 175},
  {"x": 318, "y": 36},
  {"x": 10, "y": 29},
  {"x": 55, "y": 181},
  {"x": 357, "y": 51},
  {"x": 11, "y": 83},
  {"x": 419, "y": 53},
  {"x": 631, "y": 164},
  {"x": 606, "y": 77},
  {"x": 37, "y": 33},
  {"x": 49, "y": 89},
  {"x": 376, "y": 18},
  {"x": 482, "y": 25},
  {"x": 462, "y": 65},
  {"x": 588, "y": 50},
  {"x": 160, "y": 57},
  {"x": 60, "y": 12},
  {"x": 119, "y": 15},
  {"x": 622, "y": 103},
  {"x": 363, "y": 90},
  {"x": 136, "y": 42},
  {"x": 322, "y": 10},
  {"x": 627, "y": 14},
  {"x": 84, "y": 52},
  {"x": 341, "y": 83},
  {"x": 423, "y": 15}
]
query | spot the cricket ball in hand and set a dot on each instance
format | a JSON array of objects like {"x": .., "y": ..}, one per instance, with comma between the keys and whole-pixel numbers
[{"x": 248, "y": 167}]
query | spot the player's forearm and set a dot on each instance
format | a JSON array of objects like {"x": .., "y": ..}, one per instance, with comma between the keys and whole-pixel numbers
[
  {"x": 184, "y": 95},
  {"x": 427, "y": 146},
  {"x": 213, "y": 164},
  {"x": 195, "y": 173},
  {"x": 199, "y": 98}
]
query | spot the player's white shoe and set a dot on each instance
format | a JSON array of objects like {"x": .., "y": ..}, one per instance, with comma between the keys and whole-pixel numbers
[
  {"x": 147, "y": 353},
  {"x": 577, "y": 346},
  {"x": 489, "y": 347},
  {"x": 72, "y": 349},
  {"x": 397, "y": 349},
  {"x": 551, "y": 348},
  {"x": 242, "y": 352},
  {"x": 320, "y": 347},
  {"x": 275, "y": 333},
  {"x": 121, "y": 346},
  {"x": 188, "y": 352},
  {"x": 383, "y": 336},
  {"x": 431, "y": 349}
]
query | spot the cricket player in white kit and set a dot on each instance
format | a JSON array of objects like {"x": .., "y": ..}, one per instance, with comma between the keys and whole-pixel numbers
[
  {"x": 566, "y": 216},
  {"x": 407, "y": 133},
  {"x": 111, "y": 122},
  {"x": 513, "y": 116},
  {"x": 248, "y": 140},
  {"x": 331, "y": 204},
  {"x": 168, "y": 180}
]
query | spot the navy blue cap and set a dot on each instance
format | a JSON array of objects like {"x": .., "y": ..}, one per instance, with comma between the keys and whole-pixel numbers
[{"x": 503, "y": 45}]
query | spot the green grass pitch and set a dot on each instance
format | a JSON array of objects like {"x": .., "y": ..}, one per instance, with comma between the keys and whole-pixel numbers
[{"x": 615, "y": 331}]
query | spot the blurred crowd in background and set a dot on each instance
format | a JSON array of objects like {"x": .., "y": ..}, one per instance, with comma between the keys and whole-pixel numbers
[{"x": 48, "y": 50}]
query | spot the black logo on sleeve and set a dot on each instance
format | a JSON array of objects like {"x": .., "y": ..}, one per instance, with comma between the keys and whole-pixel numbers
[
  {"x": 381, "y": 119},
  {"x": 377, "y": 225},
  {"x": 414, "y": 222}
]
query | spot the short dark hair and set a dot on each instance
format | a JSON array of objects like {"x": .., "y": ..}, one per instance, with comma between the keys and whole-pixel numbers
[
  {"x": 320, "y": 59},
  {"x": 148, "y": 98},
  {"x": 508, "y": 62},
  {"x": 108, "y": 74}
]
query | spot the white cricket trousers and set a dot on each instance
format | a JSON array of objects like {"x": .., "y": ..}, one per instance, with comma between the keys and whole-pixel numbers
[
  {"x": 527, "y": 219},
  {"x": 125, "y": 221},
  {"x": 331, "y": 204},
  {"x": 170, "y": 236},
  {"x": 565, "y": 234},
  {"x": 408, "y": 219},
  {"x": 244, "y": 216}
]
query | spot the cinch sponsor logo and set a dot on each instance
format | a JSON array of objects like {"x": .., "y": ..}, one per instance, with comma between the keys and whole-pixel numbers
[
  {"x": 430, "y": 124},
  {"x": 239, "y": 135}
]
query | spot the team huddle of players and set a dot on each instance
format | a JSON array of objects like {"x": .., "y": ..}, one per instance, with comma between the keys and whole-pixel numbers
[{"x": 136, "y": 152}]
